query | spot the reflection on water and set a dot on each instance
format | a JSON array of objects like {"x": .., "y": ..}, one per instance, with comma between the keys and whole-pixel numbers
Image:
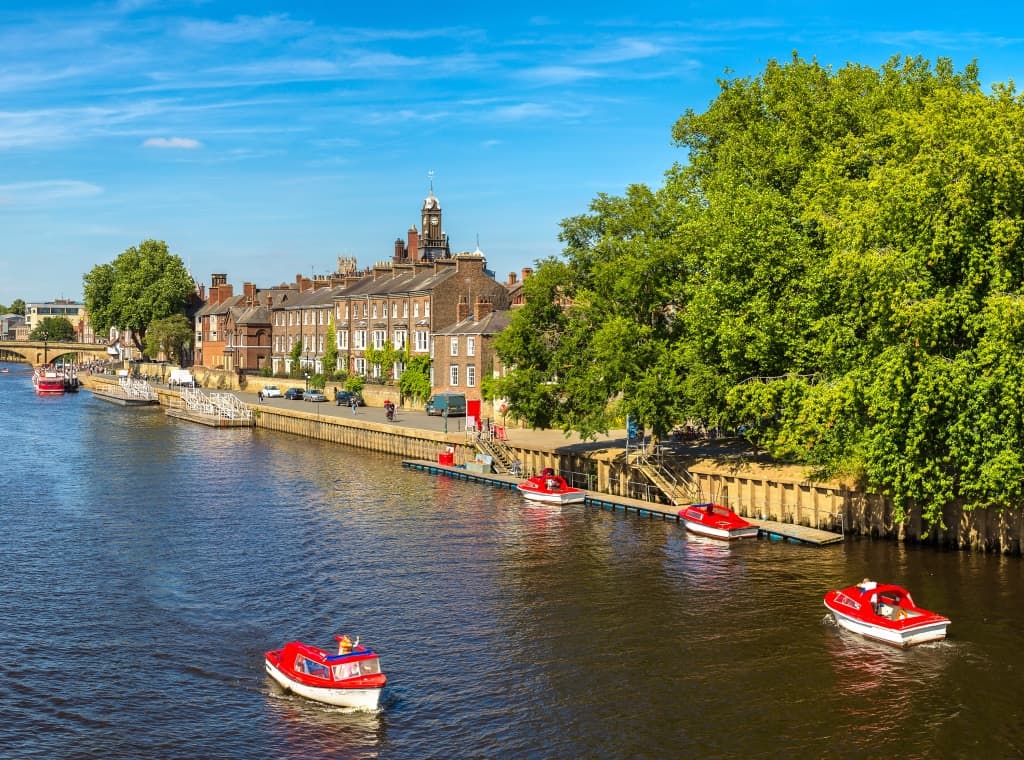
[{"x": 175, "y": 555}]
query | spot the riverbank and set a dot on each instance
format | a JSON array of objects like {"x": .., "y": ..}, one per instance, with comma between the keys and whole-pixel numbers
[{"x": 756, "y": 489}]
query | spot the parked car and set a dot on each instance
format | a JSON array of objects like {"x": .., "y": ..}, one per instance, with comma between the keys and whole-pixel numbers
[
  {"x": 181, "y": 378},
  {"x": 271, "y": 391},
  {"x": 452, "y": 403},
  {"x": 293, "y": 394},
  {"x": 314, "y": 395},
  {"x": 344, "y": 398}
]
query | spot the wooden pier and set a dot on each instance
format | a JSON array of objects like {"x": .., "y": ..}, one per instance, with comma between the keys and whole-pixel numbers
[{"x": 766, "y": 528}]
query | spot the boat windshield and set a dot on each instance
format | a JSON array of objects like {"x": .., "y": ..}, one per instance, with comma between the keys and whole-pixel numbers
[
  {"x": 311, "y": 667},
  {"x": 345, "y": 670}
]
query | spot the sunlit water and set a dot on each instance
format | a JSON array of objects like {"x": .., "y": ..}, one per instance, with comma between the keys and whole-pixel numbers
[{"x": 149, "y": 563}]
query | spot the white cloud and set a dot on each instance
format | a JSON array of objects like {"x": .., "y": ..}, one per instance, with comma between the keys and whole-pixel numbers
[
  {"x": 44, "y": 192},
  {"x": 186, "y": 143},
  {"x": 623, "y": 50},
  {"x": 558, "y": 74},
  {"x": 242, "y": 29}
]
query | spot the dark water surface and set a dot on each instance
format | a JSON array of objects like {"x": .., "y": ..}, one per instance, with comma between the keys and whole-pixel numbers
[{"x": 148, "y": 563}]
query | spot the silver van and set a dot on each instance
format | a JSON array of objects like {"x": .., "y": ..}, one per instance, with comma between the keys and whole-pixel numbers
[{"x": 454, "y": 403}]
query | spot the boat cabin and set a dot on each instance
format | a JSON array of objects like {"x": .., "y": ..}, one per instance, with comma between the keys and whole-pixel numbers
[{"x": 315, "y": 663}]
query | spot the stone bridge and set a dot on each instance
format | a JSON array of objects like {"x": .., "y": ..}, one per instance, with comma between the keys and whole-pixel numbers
[{"x": 39, "y": 352}]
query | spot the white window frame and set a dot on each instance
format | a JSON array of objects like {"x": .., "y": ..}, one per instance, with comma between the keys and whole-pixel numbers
[
  {"x": 470, "y": 345},
  {"x": 470, "y": 376},
  {"x": 453, "y": 375}
]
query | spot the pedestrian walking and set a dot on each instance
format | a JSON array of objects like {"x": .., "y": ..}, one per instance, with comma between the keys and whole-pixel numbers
[
  {"x": 259, "y": 395},
  {"x": 354, "y": 404}
]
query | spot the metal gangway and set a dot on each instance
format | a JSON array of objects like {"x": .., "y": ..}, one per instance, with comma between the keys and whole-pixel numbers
[
  {"x": 223, "y": 406},
  {"x": 137, "y": 389},
  {"x": 231, "y": 407}
]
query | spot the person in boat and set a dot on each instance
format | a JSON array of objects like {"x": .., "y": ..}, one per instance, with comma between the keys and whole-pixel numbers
[
  {"x": 345, "y": 644},
  {"x": 867, "y": 585},
  {"x": 548, "y": 474}
]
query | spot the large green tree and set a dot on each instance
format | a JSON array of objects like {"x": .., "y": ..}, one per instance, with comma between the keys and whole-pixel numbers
[
  {"x": 330, "y": 359},
  {"x": 57, "y": 329},
  {"x": 171, "y": 336},
  {"x": 144, "y": 284},
  {"x": 16, "y": 307},
  {"x": 839, "y": 264}
]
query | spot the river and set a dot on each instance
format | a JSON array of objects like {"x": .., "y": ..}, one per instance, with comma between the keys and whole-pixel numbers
[{"x": 149, "y": 563}]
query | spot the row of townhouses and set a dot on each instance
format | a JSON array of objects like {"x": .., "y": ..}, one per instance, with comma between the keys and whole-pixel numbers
[{"x": 426, "y": 299}]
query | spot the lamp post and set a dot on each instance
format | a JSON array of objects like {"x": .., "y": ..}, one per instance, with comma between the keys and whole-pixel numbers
[
  {"x": 307, "y": 381},
  {"x": 46, "y": 337}
]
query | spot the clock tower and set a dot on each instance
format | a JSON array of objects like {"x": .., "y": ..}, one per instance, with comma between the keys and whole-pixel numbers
[{"x": 433, "y": 242}]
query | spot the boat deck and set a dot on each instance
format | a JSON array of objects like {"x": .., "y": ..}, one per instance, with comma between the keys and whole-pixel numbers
[{"x": 766, "y": 528}]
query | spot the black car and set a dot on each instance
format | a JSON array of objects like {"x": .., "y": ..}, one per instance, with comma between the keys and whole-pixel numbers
[
  {"x": 344, "y": 398},
  {"x": 294, "y": 394}
]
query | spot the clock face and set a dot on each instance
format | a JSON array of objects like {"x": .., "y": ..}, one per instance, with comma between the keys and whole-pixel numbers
[{"x": 433, "y": 220}]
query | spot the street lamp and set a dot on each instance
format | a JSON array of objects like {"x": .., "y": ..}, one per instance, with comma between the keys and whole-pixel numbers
[{"x": 307, "y": 381}]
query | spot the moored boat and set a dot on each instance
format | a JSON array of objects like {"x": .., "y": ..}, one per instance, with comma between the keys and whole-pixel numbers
[
  {"x": 48, "y": 381},
  {"x": 885, "y": 612},
  {"x": 550, "y": 488},
  {"x": 351, "y": 678},
  {"x": 716, "y": 521}
]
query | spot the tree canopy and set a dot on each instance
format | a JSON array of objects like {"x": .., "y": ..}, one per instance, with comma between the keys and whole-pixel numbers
[
  {"x": 17, "y": 307},
  {"x": 57, "y": 329},
  {"x": 837, "y": 265},
  {"x": 171, "y": 336},
  {"x": 142, "y": 285}
]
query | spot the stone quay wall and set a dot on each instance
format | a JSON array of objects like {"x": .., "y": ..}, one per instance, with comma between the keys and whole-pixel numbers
[{"x": 784, "y": 494}]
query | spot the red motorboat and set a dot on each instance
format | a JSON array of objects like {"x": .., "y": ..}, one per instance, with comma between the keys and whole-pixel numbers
[
  {"x": 551, "y": 489},
  {"x": 716, "y": 521},
  {"x": 885, "y": 612},
  {"x": 48, "y": 382},
  {"x": 351, "y": 678}
]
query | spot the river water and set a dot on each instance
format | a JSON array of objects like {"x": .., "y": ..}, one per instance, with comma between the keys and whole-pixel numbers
[{"x": 149, "y": 563}]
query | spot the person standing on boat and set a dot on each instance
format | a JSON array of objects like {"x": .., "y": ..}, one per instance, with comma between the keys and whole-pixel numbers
[{"x": 345, "y": 644}]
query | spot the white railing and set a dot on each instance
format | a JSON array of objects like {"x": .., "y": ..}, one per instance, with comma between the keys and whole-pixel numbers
[
  {"x": 137, "y": 389},
  {"x": 230, "y": 407}
]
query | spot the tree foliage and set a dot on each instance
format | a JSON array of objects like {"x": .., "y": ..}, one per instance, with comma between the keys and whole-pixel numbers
[
  {"x": 144, "y": 284},
  {"x": 415, "y": 380},
  {"x": 17, "y": 307},
  {"x": 57, "y": 329},
  {"x": 839, "y": 265},
  {"x": 172, "y": 336},
  {"x": 330, "y": 357}
]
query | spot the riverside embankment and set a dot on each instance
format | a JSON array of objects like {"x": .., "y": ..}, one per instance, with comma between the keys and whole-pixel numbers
[{"x": 753, "y": 488}]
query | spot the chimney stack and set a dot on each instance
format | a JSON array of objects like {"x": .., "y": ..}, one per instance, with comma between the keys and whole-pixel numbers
[
  {"x": 482, "y": 308},
  {"x": 462, "y": 310}
]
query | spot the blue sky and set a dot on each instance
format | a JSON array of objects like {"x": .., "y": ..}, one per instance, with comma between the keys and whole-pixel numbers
[{"x": 265, "y": 139}]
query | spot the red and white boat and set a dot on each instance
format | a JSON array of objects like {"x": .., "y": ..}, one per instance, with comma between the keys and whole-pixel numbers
[
  {"x": 48, "y": 381},
  {"x": 351, "y": 678},
  {"x": 716, "y": 521},
  {"x": 885, "y": 612},
  {"x": 551, "y": 489}
]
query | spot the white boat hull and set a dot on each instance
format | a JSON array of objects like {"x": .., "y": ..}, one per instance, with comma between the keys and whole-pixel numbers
[
  {"x": 365, "y": 699},
  {"x": 728, "y": 535},
  {"x": 564, "y": 497},
  {"x": 905, "y": 637}
]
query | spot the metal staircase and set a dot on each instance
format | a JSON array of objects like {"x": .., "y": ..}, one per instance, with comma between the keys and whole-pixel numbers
[
  {"x": 502, "y": 458},
  {"x": 679, "y": 488}
]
